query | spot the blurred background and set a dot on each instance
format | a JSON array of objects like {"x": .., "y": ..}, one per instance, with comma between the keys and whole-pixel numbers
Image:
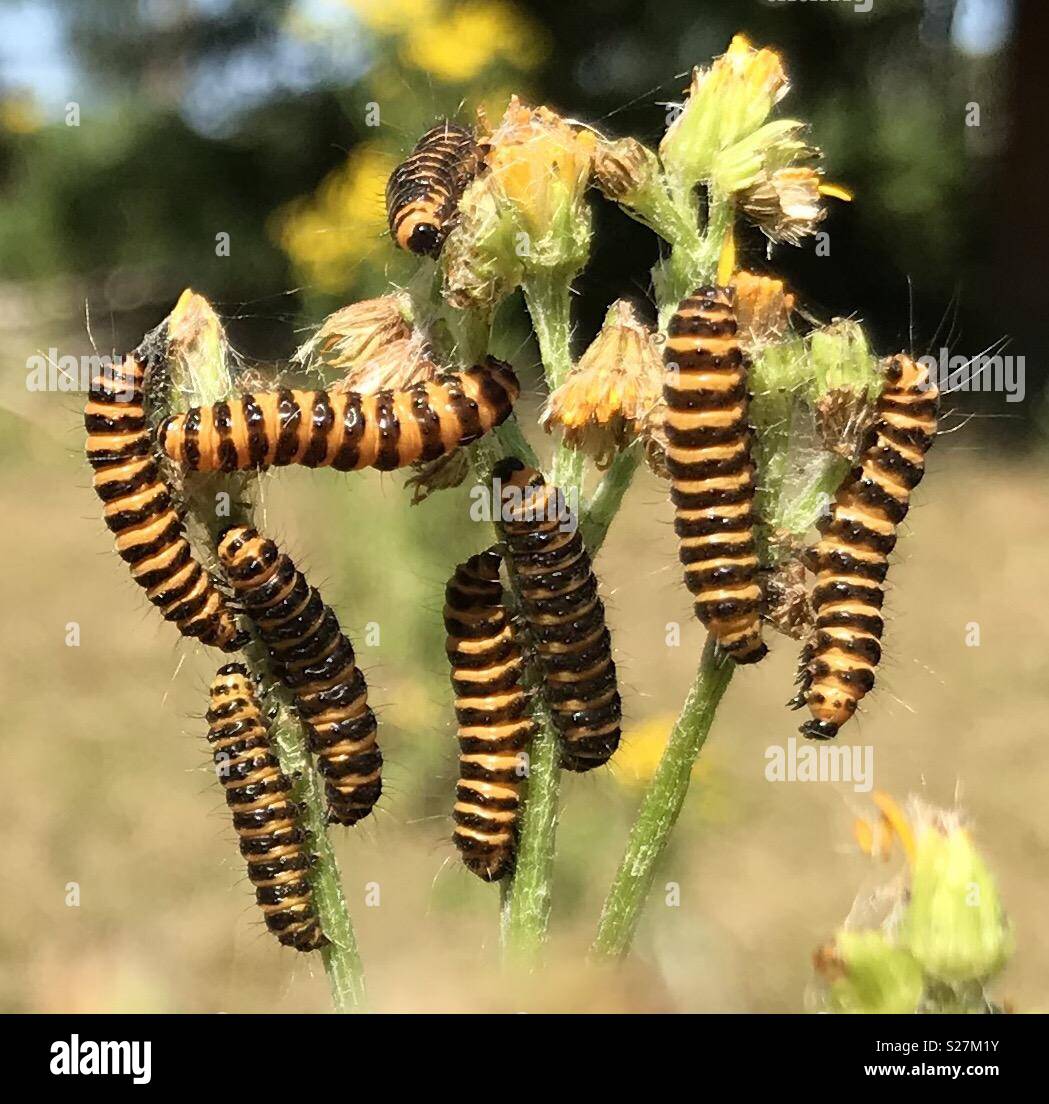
[{"x": 134, "y": 132}]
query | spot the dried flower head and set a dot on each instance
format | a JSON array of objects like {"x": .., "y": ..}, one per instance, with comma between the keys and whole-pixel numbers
[
  {"x": 726, "y": 103},
  {"x": 763, "y": 309},
  {"x": 846, "y": 379},
  {"x": 624, "y": 169},
  {"x": 605, "y": 397},
  {"x": 400, "y": 364},
  {"x": 785, "y": 203},
  {"x": 356, "y": 333}
]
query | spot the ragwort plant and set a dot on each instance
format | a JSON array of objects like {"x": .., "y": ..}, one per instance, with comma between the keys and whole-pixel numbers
[{"x": 524, "y": 223}]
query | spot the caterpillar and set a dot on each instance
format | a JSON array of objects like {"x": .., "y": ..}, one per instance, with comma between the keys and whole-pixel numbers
[
  {"x": 711, "y": 472},
  {"x": 343, "y": 429},
  {"x": 265, "y": 818},
  {"x": 313, "y": 659},
  {"x": 563, "y": 613},
  {"x": 493, "y": 715},
  {"x": 140, "y": 510},
  {"x": 851, "y": 557},
  {"x": 423, "y": 192}
]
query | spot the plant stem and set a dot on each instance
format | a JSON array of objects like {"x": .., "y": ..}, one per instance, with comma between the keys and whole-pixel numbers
[
  {"x": 605, "y": 503},
  {"x": 549, "y": 300},
  {"x": 661, "y": 805},
  {"x": 527, "y": 911}
]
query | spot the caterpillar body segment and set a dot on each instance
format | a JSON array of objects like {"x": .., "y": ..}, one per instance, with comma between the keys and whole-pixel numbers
[
  {"x": 344, "y": 430},
  {"x": 141, "y": 511},
  {"x": 565, "y": 618},
  {"x": 316, "y": 662},
  {"x": 851, "y": 557},
  {"x": 423, "y": 192},
  {"x": 711, "y": 471},
  {"x": 266, "y": 819},
  {"x": 493, "y": 714}
]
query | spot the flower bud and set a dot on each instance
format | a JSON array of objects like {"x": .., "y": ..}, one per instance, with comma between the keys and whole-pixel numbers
[
  {"x": 726, "y": 102},
  {"x": 955, "y": 925},
  {"x": 198, "y": 350},
  {"x": 617, "y": 381},
  {"x": 763, "y": 309},
  {"x": 866, "y": 973}
]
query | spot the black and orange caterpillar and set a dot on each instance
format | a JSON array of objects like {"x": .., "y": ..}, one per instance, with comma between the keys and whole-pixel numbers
[
  {"x": 343, "y": 429},
  {"x": 267, "y": 821},
  {"x": 493, "y": 714},
  {"x": 423, "y": 192},
  {"x": 313, "y": 659},
  {"x": 851, "y": 557},
  {"x": 563, "y": 613},
  {"x": 140, "y": 509},
  {"x": 711, "y": 471}
]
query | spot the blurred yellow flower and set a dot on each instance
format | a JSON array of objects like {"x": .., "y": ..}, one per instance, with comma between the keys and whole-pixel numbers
[
  {"x": 459, "y": 45},
  {"x": 342, "y": 223},
  {"x": 19, "y": 113},
  {"x": 642, "y": 748}
]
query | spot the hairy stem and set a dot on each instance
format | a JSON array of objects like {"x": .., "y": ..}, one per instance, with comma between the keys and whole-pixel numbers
[{"x": 661, "y": 806}]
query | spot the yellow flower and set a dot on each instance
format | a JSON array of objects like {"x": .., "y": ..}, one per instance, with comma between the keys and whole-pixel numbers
[
  {"x": 539, "y": 169},
  {"x": 642, "y": 748},
  {"x": 460, "y": 45},
  {"x": 19, "y": 113},
  {"x": 726, "y": 103},
  {"x": 763, "y": 308},
  {"x": 341, "y": 225},
  {"x": 617, "y": 381}
]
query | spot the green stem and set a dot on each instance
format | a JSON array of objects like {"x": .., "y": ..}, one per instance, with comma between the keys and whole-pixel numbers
[
  {"x": 661, "y": 806},
  {"x": 606, "y": 500},
  {"x": 549, "y": 301},
  {"x": 527, "y": 911}
]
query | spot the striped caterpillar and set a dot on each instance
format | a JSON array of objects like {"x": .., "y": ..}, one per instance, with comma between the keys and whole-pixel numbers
[
  {"x": 711, "y": 472},
  {"x": 343, "y": 429},
  {"x": 313, "y": 659},
  {"x": 265, "y": 818},
  {"x": 140, "y": 511},
  {"x": 851, "y": 557},
  {"x": 493, "y": 714},
  {"x": 564, "y": 615},
  {"x": 423, "y": 192}
]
